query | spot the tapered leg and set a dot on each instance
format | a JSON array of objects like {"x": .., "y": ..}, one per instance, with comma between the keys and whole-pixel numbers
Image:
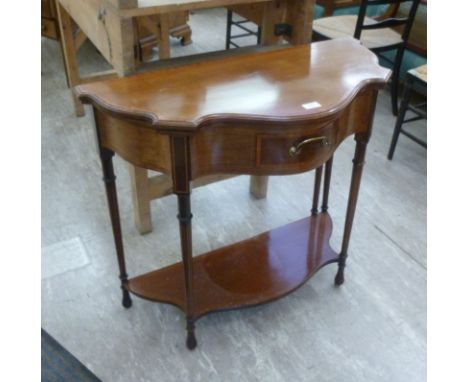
[
  {"x": 396, "y": 79},
  {"x": 180, "y": 153},
  {"x": 401, "y": 116},
  {"x": 358, "y": 164},
  {"x": 326, "y": 184},
  {"x": 318, "y": 182},
  {"x": 228, "y": 29},
  {"x": 109, "y": 180},
  {"x": 185, "y": 218}
]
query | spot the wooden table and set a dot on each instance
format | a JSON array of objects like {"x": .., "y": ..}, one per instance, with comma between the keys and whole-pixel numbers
[
  {"x": 273, "y": 113},
  {"x": 108, "y": 24}
]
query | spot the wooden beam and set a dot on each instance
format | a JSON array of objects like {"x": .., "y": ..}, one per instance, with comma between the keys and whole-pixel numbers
[
  {"x": 273, "y": 13},
  {"x": 123, "y": 4},
  {"x": 80, "y": 38},
  {"x": 299, "y": 16},
  {"x": 164, "y": 48},
  {"x": 69, "y": 54},
  {"x": 99, "y": 76},
  {"x": 111, "y": 35},
  {"x": 141, "y": 198},
  {"x": 161, "y": 185}
]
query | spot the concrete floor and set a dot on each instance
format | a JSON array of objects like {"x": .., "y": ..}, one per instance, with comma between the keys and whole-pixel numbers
[{"x": 373, "y": 328}]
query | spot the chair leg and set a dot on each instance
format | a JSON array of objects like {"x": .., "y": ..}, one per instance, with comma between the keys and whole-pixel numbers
[
  {"x": 401, "y": 116},
  {"x": 396, "y": 79},
  {"x": 228, "y": 29}
]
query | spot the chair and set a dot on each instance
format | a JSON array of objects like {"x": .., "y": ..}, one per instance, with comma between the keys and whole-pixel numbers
[
  {"x": 249, "y": 13},
  {"x": 414, "y": 78},
  {"x": 377, "y": 34}
]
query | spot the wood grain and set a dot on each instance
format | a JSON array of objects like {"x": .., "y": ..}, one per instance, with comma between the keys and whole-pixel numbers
[
  {"x": 251, "y": 272},
  {"x": 269, "y": 86}
]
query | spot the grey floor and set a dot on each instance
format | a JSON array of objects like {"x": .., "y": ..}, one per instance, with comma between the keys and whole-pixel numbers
[{"x": 373, "y": 328}]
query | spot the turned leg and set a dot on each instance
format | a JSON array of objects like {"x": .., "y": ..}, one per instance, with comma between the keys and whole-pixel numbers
[
  {"x": 358, "y": 164},
  {"x": 401, "y": 116},
  {"x": 109, "y": 180},
  {"x": 318, "y": 181},
  {"x": 326, "y": 184},
  {"x": 396, "y": 79},
  {"x": 185, "y": 217},
  {"x": 181, "y": 184}
]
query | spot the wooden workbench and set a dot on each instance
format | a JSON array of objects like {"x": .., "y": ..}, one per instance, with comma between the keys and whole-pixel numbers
[{"x": 109, "y": 26}]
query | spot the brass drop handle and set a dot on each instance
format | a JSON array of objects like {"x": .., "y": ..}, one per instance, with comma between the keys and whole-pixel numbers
[
  {"x": 43, "y": 27},
  {"x": 295, "y": 149}
]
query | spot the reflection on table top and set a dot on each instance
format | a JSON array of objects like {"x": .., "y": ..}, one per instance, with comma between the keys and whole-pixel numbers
[{"x": 300, "y": 82}]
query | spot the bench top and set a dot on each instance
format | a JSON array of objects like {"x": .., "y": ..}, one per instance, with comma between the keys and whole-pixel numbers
[{"x": 297, "y": 83}]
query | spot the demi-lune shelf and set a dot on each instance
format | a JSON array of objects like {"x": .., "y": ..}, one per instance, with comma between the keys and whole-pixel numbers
[{"x": 254, "y": 271}]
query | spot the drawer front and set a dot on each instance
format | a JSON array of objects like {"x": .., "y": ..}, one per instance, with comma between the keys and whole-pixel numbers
[
  {"x": 242, "y": 149},
  {"x": 299, "y": 150},
  {"x": 48, "y": 28}
]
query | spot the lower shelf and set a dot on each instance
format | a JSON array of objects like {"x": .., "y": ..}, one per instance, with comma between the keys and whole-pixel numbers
[{"x": 247, "y": 273}]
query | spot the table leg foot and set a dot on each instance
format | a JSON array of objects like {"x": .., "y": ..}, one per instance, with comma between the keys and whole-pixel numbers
[
  {"x": 126, "y": 300},
  {"x": 191, "y": 339},
  {"x": 339, "y": 278}
]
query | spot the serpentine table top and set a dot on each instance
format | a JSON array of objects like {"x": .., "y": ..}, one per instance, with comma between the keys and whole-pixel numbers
[{"x": 291, "y": 84}]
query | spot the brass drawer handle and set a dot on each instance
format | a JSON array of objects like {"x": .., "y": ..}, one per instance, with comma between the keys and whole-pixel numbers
[
  {"x": 43, "y": 27},
  {"x": 295, "y": 150}
]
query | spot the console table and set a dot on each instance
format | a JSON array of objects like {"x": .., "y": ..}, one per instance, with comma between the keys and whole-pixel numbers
[
  {"x": 271, "y": 113},
  {"x": 110, "y": 25}
]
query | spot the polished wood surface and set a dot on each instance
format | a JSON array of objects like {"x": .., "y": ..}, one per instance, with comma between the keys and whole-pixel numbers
[
  {"x": 260, "y": 104},
  {"x": 296, "y": 83},
  {"x": 247, "y": 273},
  {"x": 153, "y": 121}
]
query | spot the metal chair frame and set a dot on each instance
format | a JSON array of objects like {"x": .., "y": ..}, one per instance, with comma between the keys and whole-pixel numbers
[
  {"x": 418, "y": 109},
  {"x": 239, "y": 24}
]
